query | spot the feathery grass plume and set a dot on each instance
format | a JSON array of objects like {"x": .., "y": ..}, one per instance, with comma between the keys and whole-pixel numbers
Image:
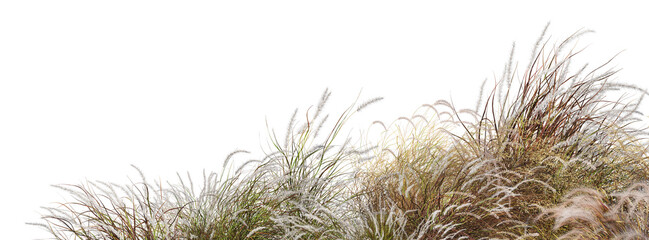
[{"x": 591, "y": 214}]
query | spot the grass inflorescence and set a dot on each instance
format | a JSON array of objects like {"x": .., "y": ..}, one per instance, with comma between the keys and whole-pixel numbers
[{"x": 550, "y": 152}]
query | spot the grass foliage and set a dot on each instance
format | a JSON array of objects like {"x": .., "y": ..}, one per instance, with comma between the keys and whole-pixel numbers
[{"x": 552, "y": 151}]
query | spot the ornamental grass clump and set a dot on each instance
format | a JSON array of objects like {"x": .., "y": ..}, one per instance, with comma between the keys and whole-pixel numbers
[
  {"x": 559, "y": 130},
  {"x": 100, "y": 210},
  {"x": 552, "y": 151},
  {"x": 300, "y": 190},
  {"x": 425, "y": 176},
  {"x": 309, "y": 177},
  {"x": 229, "y": 206},
  {"x": 532, "y": 140},
  {"x": 222, "y": 209},
  {"x": 431, "y": 178}
]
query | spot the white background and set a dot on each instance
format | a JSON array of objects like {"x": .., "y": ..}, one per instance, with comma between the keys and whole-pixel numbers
[{"x": 89, "y": 87}]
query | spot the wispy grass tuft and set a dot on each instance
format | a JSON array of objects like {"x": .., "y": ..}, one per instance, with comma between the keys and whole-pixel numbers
[
  {"x": 100, "y": 210},
  {"x": 591, "y": 214}
]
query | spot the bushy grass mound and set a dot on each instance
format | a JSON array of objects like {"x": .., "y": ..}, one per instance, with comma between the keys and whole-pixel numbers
[{"x": 552, "y": 151}]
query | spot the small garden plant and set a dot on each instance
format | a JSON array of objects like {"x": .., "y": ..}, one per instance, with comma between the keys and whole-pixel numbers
[{"x": 550, "y": 151}]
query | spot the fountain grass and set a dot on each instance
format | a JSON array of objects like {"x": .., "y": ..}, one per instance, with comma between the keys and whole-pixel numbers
[{"x": 552, "y": 152}]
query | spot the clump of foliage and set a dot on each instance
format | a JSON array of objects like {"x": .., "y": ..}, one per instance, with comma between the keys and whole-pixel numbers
[
  {"x": 300, "y": 190},
  {"x": 552, "y": 153}
]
